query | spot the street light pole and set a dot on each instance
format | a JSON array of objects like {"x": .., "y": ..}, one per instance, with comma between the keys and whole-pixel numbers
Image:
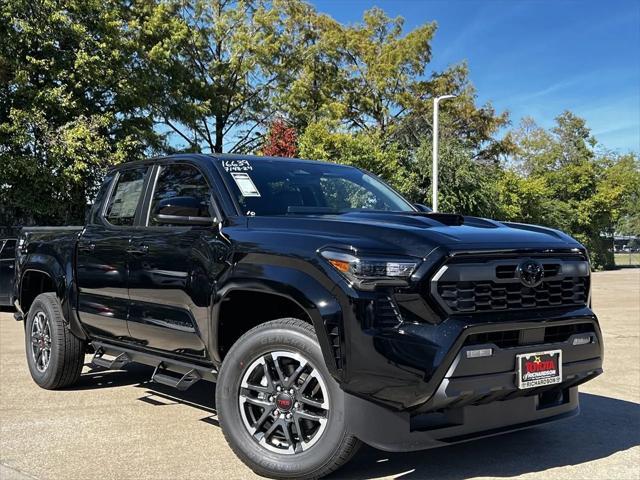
[{"x": 434, "y": 181}]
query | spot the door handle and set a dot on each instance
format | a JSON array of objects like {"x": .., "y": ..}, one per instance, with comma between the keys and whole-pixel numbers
[
  {"x": 139, "y": 250},
  {"x": 87, "y": 247}
]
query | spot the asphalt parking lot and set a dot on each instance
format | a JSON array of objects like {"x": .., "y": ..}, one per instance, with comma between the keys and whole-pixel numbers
[{"x": 118, "y": 425}]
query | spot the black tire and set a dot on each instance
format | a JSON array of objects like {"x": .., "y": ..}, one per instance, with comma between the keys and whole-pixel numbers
[
  {"x": 333, "y": 446},
  {"x": 66, "y": 351}
]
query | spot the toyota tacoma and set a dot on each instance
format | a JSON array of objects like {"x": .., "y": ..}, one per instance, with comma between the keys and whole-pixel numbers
[{"x": 326, "y": 308}]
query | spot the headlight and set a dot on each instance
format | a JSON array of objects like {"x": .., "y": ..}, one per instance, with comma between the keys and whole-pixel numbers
[{"x": 371, "y": 270}]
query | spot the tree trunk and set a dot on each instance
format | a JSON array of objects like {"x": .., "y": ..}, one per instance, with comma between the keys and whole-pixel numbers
[{"x": 219, "y": 135}]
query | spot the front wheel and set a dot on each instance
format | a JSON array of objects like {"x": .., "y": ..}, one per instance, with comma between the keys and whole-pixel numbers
[{"x": 280, "y": 410}]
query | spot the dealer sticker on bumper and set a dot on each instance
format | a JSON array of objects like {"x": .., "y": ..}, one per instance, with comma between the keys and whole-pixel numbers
[{"x": 538, "y": 369}]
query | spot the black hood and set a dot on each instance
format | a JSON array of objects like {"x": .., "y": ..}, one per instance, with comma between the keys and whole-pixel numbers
[{"x": 410, "y": 233}]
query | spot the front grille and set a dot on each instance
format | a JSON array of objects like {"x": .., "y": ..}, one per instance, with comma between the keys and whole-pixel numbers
[
  {"x": 471, "y": 297},
  {"x": 494, "y": 285}
]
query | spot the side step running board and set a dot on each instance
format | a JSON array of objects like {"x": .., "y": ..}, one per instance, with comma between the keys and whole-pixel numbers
[
  {"x": 168, "y": 371},
  {"x": 182, "y": 383},
  {"x": 114, "y": 363}
]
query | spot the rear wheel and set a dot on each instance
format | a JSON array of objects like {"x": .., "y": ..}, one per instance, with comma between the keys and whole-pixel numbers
[
  {"x": 280, "y": 410},
  {"x": 54, "y": 355}
]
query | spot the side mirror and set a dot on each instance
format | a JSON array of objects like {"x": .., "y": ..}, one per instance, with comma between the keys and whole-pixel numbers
[
  {"x": 182, "y": 211},
  {"x": 422, "y": 208}
]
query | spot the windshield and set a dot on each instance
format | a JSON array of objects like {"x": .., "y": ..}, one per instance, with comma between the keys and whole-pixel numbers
[{"x": 282, "y": 187}]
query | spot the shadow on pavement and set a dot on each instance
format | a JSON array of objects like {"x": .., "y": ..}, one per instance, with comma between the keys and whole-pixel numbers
[
  {"x": 604, "y": 427},
  {"x": 98, "y": 377}
]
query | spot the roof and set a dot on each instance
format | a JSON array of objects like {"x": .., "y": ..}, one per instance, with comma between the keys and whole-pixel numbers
[
  {"x": 224, "y": 156},
  {"x": 237, "y": 156}
]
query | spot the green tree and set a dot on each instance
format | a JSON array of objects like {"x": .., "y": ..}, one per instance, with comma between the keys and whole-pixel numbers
[
  {"x": 465, "y": 186},
  {"x": 366, "y": 150},
  {"x": 557, "y": 178},
  {"x": 526, "y": 199},
  {"x": 618, "y": 195},
  {"x": 383, "y": 68},
  {"x": 217, "y": 77},
  {"x": 629, "y": 225},
  {"x": 70, "y": 103},
  {"x": 374, "y": 76},
  {"x": 313, "y": 87},
  {"x": 461, "y": 120},
  {"x": 532, "y": 145}
]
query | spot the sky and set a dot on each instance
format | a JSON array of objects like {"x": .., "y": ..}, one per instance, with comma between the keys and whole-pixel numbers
[{"x": 536, "y": 58}]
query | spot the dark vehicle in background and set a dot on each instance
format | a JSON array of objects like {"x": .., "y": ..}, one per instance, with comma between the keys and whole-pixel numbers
[
  {"x": 7, "y": 270},
  {"x": 327, "y": 309}
]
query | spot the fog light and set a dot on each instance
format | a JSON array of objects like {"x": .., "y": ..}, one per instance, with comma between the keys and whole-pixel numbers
[
  {"x": 582, "y": 340},
  {"x": 481, "y": 352}
]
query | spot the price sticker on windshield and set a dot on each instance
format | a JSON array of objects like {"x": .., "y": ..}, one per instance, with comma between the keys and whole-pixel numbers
[{"x": 245, "y": 184}]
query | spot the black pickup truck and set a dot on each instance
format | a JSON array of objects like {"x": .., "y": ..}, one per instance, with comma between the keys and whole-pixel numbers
[{"x": 327, "y": 309}]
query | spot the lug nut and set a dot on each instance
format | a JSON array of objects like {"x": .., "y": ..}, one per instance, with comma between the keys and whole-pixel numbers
[
  {"x": 297, "y": 405},
  {"x": 271, "y": 398},
  {"x": 289, "y": 416},
  {"x": 279, "y": 388},
  {"x": 276, "y": 413},
  {"x": 291, "y": 392}
]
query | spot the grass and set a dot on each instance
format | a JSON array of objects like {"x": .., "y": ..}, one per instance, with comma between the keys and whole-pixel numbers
[{"x": 626, "y": 259}]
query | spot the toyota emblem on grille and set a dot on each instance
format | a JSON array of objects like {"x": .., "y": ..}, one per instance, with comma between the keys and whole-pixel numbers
[{"x": 530, "y": 273}]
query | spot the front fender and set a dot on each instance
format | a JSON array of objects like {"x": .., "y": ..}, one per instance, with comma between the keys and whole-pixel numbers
[{"x": 296, "y": 281}]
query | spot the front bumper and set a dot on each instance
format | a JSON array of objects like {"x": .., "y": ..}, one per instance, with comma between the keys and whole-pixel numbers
[
  {"x": 466, "y": 398},
  {"x": 477, "y": 381},
  {"x": 401, "y": 432},
  {"x": 402, "y": 367}
]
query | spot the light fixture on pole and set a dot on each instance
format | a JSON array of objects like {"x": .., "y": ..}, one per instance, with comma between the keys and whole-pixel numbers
[{"x": 434, "y": 183}]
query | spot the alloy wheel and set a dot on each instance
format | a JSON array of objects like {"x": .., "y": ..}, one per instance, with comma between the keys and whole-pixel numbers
[
  {"x": 41, "y": 341},
  {"x": 284, "y": 402}
]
